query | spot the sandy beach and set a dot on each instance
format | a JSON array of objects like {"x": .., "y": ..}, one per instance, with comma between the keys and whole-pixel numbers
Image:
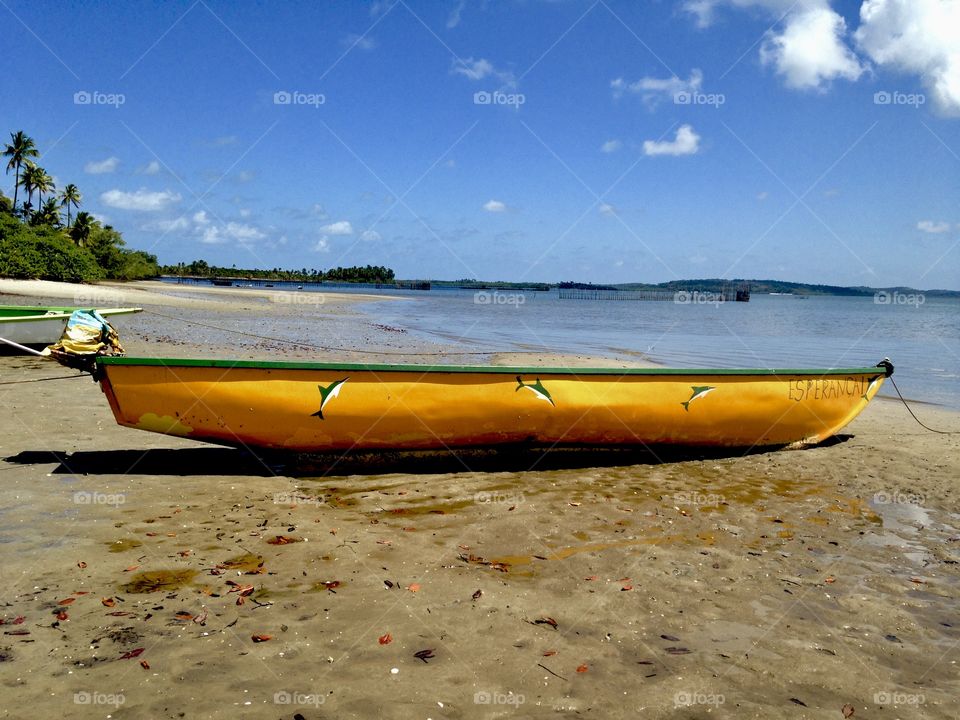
[{"x": 148, "y": 576}]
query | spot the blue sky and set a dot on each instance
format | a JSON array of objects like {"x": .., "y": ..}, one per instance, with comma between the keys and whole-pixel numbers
[{"x": 815, "y": 141}]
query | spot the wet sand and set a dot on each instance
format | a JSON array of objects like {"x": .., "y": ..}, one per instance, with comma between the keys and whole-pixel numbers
[{"x": 139, "y": 570}]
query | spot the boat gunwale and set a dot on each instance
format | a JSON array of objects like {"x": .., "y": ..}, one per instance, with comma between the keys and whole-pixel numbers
[
  {"x": 56, "y": 313},
  {"x": 478, "y": 369}
]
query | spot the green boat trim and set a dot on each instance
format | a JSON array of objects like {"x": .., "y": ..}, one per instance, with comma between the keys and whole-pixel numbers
[
  {"x": 484, "y": 369},
  {"x": 15, "y": 314}
]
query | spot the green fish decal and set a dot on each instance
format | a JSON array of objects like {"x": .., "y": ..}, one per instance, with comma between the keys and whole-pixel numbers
[
  {"x": 537, "y": 389},
  {"x": 698, "y": 392},
  {"x": 327, "y": 394}
]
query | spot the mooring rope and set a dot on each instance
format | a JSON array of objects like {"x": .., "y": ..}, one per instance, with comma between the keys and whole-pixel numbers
[
  {"x": 62, "y": 377},
  {"x": 933, "y": 430}
]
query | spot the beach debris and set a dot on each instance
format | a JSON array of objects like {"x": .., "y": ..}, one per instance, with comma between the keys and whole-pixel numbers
[
  {"x": 477, "y": 594},
  {"x": 81, "y": 565},
  {"x": 18, "y": 620},
  {"x": 546, "y": 621},
  {"x": 66, "y": 601},
  {"x": 848, "y": 710},
  {"x": 671, "y": 638},
  {"x": 62, "y": 615},
  {"x": 388, "y": 584},
  {"x": 797, "y": 701},
  {"x": 591, "y": 578},
  {"x": 144, "y": 664},
  {"x": 424, "y": 655},
  {"x": 551, "y": 671},
  {"x": 129, "y": 655},
  {"x": 332, "y": 585},
  {"x": 201, "y": 618},
  {"x": 893, "y": 638},
  {"x": 385, "y": 639},
  {"x": 918, "y": 581},
  {"x": 583, "y": 668},
  {"x": 477, "y": 560},
  {"x": 549, "y": 653},
  {"x": 283, "y": 540},
  {"x": 413, "y": 587},
  {"x": 16, "y": 632},
  {"x": 678, "y": 650},
  {"x": 131, "y": 568},
  {"x": 183, "y": 615},
  {"x": 108, "y": 602},
  {"x": 261, "y": 638},
  {"x": 830, "y": 580},
  {"x": 384, "y": 542}
]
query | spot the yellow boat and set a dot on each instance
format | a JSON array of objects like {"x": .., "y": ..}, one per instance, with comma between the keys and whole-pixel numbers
[{"x": 321, "y": 407}]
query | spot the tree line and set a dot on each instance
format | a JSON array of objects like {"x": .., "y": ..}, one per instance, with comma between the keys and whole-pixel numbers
[
  {"x": 46, "y": 240},
  {"x": 364, "y": 274}
]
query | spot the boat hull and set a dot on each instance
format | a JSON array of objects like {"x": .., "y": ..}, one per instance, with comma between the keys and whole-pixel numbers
[
  {"x": 42, "y": 326},
  {"x": 321, "y": 407}
]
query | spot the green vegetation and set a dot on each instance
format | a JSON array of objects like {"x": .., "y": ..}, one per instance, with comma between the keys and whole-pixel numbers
[
  {"x": 36, "y": 243},
  {"x": 365, "y": 274}
]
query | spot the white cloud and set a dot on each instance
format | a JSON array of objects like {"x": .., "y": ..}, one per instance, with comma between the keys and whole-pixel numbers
[
  {"x": 453, "y": 19},
  {"x": 607, "y": 209},
  {"x": 151, "y": 168},
  {"x": 921, "y": 37},
  {"x": 200, "y": 217},
  {"x": 652, "y": 90},
  {"x": 245, "y": 176},
  {"x": 480, "y": 69},
  {"x": 240, "y": 232},
  {"x": 929, "y": 226},
  {"x": 141, "y": 199},
  {"x": 224, "y": 140},
  {"x": 763, "y": 195},
  {"x": 810, "y": 52},
  {"x": 611, "y": 146},
  {"x": 318, "y": 210},
  {"x": 323, "y": 245},
  {"x": 180, "y": 223},
  {"x": 494, "y": 206},
  {"x": 245, "y": 212},
  {"x": 686, "y": 142},
  {"x": 341, "y": 227},
  {"x": 370, "y": 235},
  {"x": 362, "y": 42},
  {"x": 102, "y": 167}
]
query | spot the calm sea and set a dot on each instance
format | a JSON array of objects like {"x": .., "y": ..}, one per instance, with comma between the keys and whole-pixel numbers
[{"x": 921, "y": 338}]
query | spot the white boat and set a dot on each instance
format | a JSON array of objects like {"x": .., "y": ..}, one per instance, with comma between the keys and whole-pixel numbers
[{"x": 32, "y": 325}]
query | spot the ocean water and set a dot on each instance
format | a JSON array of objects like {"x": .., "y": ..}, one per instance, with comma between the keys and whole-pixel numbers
[{"x": 922, "y": 340}]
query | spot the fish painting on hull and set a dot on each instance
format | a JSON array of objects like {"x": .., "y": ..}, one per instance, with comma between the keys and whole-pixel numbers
[
  {"x": 698, "y": 392},
  {"x": 327, "y": 394},
  {"x": 537, "y": 389}
]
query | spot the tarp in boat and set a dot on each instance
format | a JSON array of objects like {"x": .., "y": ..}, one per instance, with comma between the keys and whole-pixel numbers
[{"x": 86, "y": 335}]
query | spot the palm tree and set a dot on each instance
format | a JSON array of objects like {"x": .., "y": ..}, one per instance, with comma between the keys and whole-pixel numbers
[
  {"x": 43, "y": 184},
  {"x": 81, "y": 227},
  {"x": 20, "y": 149},
  {"x": 28, "y": 179},
  {"x": 70, "y": 196},
  {"x": 48, "y": 214}
]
